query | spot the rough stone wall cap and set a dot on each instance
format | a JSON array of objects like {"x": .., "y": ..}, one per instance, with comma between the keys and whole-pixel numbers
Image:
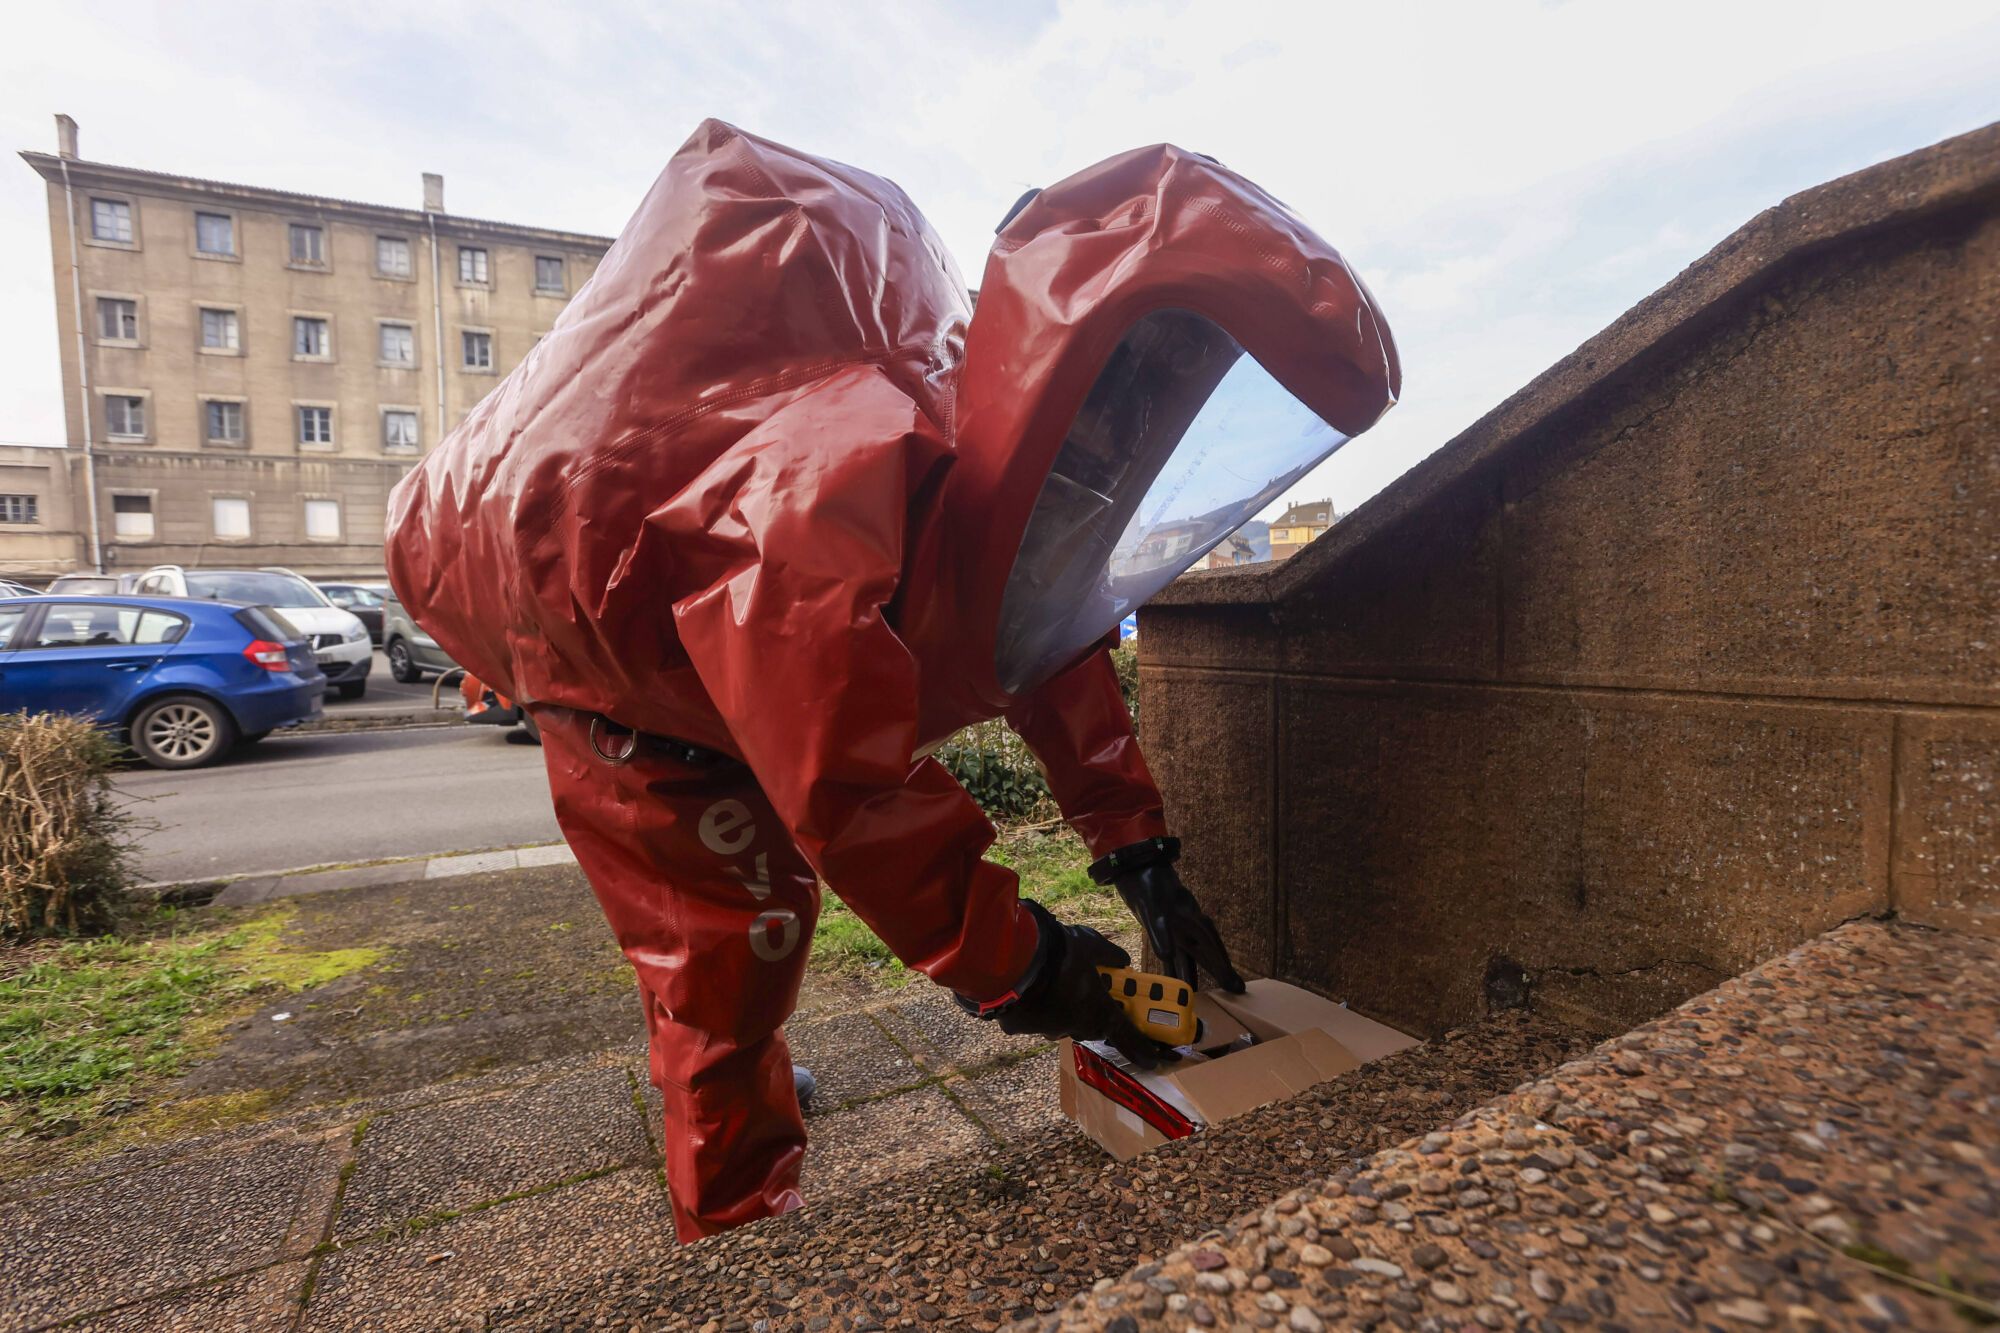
[{"x": 1955, "y": 173}]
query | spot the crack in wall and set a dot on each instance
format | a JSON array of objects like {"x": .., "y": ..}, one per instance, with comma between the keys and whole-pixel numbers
[{"x": 1602, "y": 974}]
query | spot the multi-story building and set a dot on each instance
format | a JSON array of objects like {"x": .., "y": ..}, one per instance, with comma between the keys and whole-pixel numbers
[
  {"x": 258, "y": 368},
  {"x": 1298, "y": 525}
]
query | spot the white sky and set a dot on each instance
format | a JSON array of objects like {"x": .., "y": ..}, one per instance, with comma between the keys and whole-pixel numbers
[{"x": 1508, "y": 176}]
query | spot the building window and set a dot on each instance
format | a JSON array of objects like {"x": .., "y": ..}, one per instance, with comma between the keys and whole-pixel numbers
[
  {"x": 125, "y": 416},
  {"x": 478, "y": 350},
  {"x": 471, "y": 264},
  {"x": 132, "y": 517},
  {"x": 399, "y": 345},
  {"x": 399, "y": 432},
  {"x": 315, "y": 425},
  {"x": 322, "y": 520},
  {"x": 117, "y": 318},
  {"x": 309, "y": 337},
  {"x": 308, "y": 244},
  {"x": 111, "y": 220},
  {"x": 215, "y": 233},
  {"x": 548, "y": 273},
  {"x": 218, "y": 330},
  {"x": 20, "y": 509},
  {"x": 225, "y": 423},
  {"x": 392, "y": 256},
  {"x": 231, "y": 518}
]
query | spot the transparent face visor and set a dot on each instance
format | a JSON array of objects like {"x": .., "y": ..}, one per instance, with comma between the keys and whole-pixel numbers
[{"x": 1182, "y": 439}]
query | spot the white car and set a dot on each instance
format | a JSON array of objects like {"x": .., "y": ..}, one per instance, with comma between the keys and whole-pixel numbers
[{"x": 340, "y": 641}]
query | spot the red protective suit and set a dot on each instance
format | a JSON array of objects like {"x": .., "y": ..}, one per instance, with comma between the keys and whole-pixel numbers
[{"x": 761, "y": 491}]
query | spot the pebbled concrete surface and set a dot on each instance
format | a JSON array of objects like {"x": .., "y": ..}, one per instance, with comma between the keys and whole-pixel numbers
[
  {"x": 850, "y": 1058},
  {"x": 415, "y": 1164},
  {"x": 265, "y": 1301},
  {"x": 1004, "y": 1233},
  {"x": 878, "y": 1141},
  {"x": 182, "y": 1222},
  {"x": 1741, "y": 1162},
  {"x": 1016, "y": 1102},
  {"x": 447, "y": 1275},
  {"x": 1769, "y": 1155},
  {"x": 941, "y": 1038}
]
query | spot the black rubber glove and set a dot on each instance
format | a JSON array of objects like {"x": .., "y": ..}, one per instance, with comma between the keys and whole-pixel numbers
[
  {"x": 1180, "y": 932},
  {"x": 1062, "y": 994}
]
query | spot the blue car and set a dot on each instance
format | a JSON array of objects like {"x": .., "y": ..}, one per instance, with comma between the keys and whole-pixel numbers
[{"x": 183, "y": 680}]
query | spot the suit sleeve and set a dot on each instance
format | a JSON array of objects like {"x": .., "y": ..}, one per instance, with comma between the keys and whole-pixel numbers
[
  {"x": 802, "y": 528},
  {"x": 1079, "y": 728}
]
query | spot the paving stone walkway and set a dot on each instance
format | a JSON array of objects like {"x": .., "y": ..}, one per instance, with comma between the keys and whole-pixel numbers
[
  {"x": 1816, "y": 1144},
  {"x": 424, "y": 1209}
]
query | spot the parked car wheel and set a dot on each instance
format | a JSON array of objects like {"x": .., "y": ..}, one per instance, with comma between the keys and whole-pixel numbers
[
  {"x": 182, "y": 731},
  {"x": 402, "y": 666},
  {"x": 352, "y": 689}
]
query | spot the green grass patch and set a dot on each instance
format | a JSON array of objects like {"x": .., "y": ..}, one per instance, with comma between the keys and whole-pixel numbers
[
  {"x": 1051, "y": 864},
  {"x": 87, "y": 1025}
]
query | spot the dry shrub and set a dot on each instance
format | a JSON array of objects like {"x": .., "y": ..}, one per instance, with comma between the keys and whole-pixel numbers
[{"x": 64, "y": 851}]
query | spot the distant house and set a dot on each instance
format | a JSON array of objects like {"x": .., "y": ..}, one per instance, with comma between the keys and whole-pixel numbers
[
  {"x": 1302, "y": 523},
  {"x": 1234, "y": 550}
]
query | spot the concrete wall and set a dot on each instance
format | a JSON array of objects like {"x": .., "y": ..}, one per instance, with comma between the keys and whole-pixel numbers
[{"x": 1685, "y": 653}]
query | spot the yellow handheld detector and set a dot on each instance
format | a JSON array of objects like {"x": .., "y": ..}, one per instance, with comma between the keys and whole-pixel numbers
[{"x": 1160, "y": 1007}]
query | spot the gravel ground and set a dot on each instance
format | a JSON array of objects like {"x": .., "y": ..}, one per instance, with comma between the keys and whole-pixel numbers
[
  {"x": 1009, "y": 1233},
  {"x": 1772, "y": 1154}
]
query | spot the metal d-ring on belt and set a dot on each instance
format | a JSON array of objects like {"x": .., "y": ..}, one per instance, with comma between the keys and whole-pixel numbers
[
  {"x": 597, "y": 722},
  {"x": 693, "y": 755}
]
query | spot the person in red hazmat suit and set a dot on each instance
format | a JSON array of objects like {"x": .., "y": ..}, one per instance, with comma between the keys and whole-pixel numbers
[{"x": 770, "y": 513}]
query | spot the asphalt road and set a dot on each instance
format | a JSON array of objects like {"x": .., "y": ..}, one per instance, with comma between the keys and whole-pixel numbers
[
  {"x": 385, "y": 695},
  {"x": 327, "y": 799}
]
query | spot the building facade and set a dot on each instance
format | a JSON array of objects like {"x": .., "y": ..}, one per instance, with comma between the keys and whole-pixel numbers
[
  {"x": 38, "y": 531},
  {"x": 258, "y": 368},
  {"x": 1299, "y": 525}
]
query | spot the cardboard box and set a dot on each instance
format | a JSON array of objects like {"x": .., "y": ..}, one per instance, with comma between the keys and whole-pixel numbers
[{"x": 1302, "y": 1040}]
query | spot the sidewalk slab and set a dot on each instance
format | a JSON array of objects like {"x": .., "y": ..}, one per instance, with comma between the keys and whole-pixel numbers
[
  {"x": 850, "y": 1058},
  {"x": 1018, "y": 1102},
  {"x": 878, "y": 1141},
  {"x": 449, "y": 1275},
  {"x": 943, "y": 1038},
  {"x": 264, "y": 1301},
  {"x": 186, "y": 1221},
  {"x": 427, "y": 1160}
]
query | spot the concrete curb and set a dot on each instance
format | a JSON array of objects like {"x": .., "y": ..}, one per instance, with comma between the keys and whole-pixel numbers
[
  {"x": 292, "y": 884},
  {"x": 416, "y": 717}
]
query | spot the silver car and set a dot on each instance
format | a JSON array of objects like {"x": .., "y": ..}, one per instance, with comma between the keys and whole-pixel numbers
[{"x": 412, "y": 652}]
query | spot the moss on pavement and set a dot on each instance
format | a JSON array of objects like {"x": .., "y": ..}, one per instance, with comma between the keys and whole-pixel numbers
[{"x": 92, "y": 1030}]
